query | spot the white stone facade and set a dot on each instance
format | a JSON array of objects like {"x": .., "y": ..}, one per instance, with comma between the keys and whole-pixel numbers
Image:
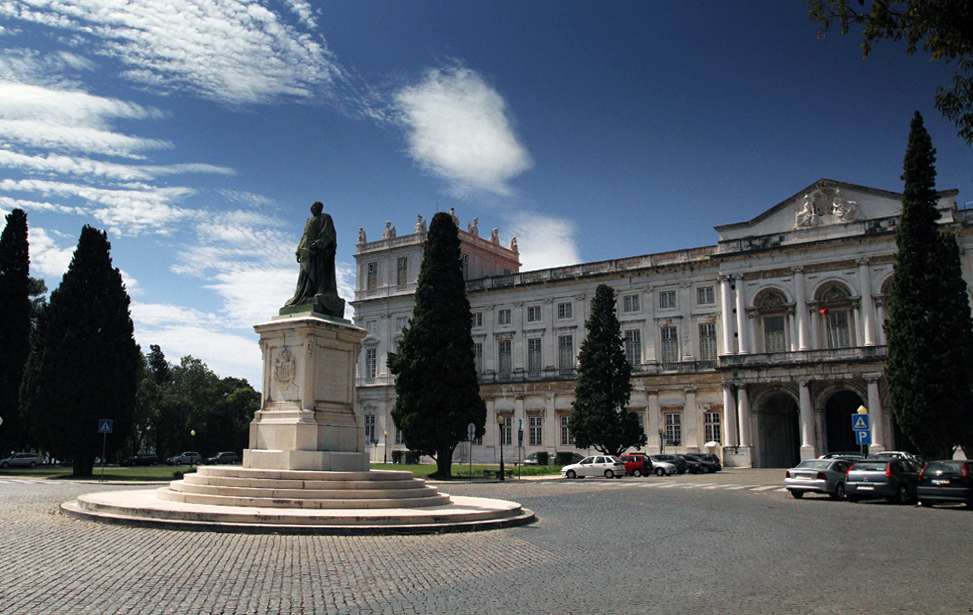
[{"x": 758, "y": 348}]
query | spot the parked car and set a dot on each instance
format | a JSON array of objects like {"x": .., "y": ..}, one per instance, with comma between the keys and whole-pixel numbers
[
  {"x": 693, "y": 465},
  {"x": 854, "y": 456},
  {"x": 675, "y": 460},
  {"x": 532, "y": 459},
  {"x": 223, "y": 458},
  {"x": 141, "y": 459},
  {"x": 818, "y": 476},
  {"x": 663, "y": 468},
  {"x": 892, "y": 479},
  {"x": 918, "y": 459},
  {"x": 186, "y": 458},
  {"x": 637, "y": 464},
  {"x": 711, "y": 459},
  {"x": 596, "y": 465},
  {"x": 946, "y": 481},
  {"x": 22, "y": 460}
]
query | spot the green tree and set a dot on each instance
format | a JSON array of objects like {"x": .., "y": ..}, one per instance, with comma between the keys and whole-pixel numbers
[
  {"x": 599, "y": 418},
  {"x": 929, "y": 330},
  {"x": 15, "y": 326},
  {"x": 436, "y": 385},
  {"x": 84, "y": 362},
  {"x": 943, "y": 27}
]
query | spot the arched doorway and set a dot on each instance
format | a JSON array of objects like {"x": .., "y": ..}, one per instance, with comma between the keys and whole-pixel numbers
[
  {"x": 837, "y": 422},
  {"x": 780, "y": 432}
]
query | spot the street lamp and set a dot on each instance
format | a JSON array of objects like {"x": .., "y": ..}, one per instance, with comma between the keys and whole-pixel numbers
[
  {"x": 385, "y": 453},
  {"x": 500, "y": 423},
  {"x": 662, "y": 441},
  {"x": 192, "y": 434}
]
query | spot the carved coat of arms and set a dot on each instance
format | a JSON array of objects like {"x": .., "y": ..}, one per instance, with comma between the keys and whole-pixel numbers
[{"x": 284, "y": 368}]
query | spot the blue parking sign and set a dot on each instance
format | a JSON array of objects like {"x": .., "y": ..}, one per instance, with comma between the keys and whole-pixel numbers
[{"x": 864, "y": 437}]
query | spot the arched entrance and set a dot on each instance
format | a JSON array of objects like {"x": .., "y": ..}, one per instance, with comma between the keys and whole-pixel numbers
[
  {"x": 837, "y": 422},
  {"x": 780, "y": 432}
]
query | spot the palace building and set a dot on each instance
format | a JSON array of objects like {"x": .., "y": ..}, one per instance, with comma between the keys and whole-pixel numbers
[{"x": 758, "y": 348}]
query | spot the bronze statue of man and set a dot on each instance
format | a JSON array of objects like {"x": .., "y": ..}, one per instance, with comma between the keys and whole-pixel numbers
[{"x": 316, "y": 286}]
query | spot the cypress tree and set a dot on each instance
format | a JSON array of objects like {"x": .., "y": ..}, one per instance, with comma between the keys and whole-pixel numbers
[
  {"x": 438, "y": 394},
  {"x": 15, "y": 326},
  {"x": 84, "y": 363},
  {"x": 930, "y": 335},
  {"x": 599, "y": 418}
]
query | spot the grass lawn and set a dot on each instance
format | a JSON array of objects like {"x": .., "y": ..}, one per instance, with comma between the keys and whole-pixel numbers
[
  {"x": 462, "y": 470},
  {"x": 112, "y": 473}
]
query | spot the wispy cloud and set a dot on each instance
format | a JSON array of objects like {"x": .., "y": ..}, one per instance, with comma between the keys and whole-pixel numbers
[
  {"x": 233, "y": 52},
  {"x": 459, "y": 128},
  {"x": 544, "y": 241}
]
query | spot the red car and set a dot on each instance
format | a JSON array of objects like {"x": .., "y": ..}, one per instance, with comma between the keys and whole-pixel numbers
[{"x": 637, "y": 464}]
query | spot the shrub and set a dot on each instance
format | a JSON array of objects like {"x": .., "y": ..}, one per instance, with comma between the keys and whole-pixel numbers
[
  {"x": 543, "y": 458},
  {"x": 563, "y": 457},
  {"x": 397, "y": 456},
  {"x": 412, "y": 457}
]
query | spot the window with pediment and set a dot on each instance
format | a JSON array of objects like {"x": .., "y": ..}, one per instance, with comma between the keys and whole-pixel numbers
[
  {"x": 771, "y": 307},
  {"x": 835, "y": 308}
]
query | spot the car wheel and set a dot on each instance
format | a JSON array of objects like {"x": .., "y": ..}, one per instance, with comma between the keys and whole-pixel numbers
[
  {"x": 839, "y": 492},
  {"x": 5, "y": 465},
  {"x": 571, "y": 474},
  {"x": 902, "y": 496},
  {"x": 636, "y": 472},
  {"x": 33, "y": 464},
  {"x": 609, "y": 474},
  {"x": 797, "y": 495},
  {"x": 660, "y": 472}
]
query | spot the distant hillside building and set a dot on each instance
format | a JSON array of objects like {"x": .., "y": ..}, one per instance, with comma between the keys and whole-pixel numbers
[{"x": 759, "y": 348}]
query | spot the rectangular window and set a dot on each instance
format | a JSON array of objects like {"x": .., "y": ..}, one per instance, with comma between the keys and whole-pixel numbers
[
  {"x": 369, "y": 428},
  {"x": 564, "y": 310},
  {"x": 536, "y": 432},
  {"x": 504, "y": 357},
  {"x": 506, "y": 431},
  {"x": 633, "y": 347},
  {"x": 667, "y": 299},
  {"x": 372, "y": 277},
  {"x": 838, "y": 332},
  {"x": 565, "y": 353},
  {"x": 674, "y": 429},
  {"x": 630, "y": 303},
  {"x": 503, "y": 317},
  {"x": 402, "y": 271},
  {"x": 774, "y": 339},
  {"x": 704, "y": 295},
  {"x": 670, "y": 345},
  {"x": 371, "y": 362},
  {"x": 707, "y": 341},
  {"x": 533, "y": 313},
  {"x": 477, "y": 319},
  {"x": 712, "y": 427},
  {"x": 372, "y": 327},
  {"x": 401, "y": 322},
  {"x": 478, "y": 356},
  {"x": 465, "y": 258},
  {"x": 534, "y": 359},
  {"x": 566, "y": 439}
]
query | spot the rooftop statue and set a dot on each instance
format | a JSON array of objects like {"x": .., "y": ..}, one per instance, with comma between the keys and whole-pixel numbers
[
  {"x": 846, "y": 211},
  {"x": 420, "y": 224},
  {"x": 316, "y": 287}
]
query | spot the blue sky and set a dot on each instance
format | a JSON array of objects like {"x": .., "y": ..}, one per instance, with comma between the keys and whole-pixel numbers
[{"x": 198, "y": 133}]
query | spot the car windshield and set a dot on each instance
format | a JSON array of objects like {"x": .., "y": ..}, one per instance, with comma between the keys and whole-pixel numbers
[
  {"x": 815, "y": 464},
  {"x": 871, "y": 466}
]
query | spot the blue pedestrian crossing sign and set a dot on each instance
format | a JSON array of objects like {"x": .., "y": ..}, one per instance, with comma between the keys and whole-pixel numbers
[
  {"x": 859, "y": 422},
  {"x": 863, "y": 436},
  {"x": 104, "y": 425}
]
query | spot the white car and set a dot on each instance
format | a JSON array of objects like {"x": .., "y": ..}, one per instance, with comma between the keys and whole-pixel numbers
[
  {"x": 596, "y": 465},
  {"x": 663, "y": 468},
  {"x": 22, "y": 460}
]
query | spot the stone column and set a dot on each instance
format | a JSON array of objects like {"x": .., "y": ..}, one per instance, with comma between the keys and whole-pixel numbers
[
  {"x": 742, "y": 330},
  {"x": 730, "y": 416},
  {"x": 876, "y": 414},
  {"x": 743, "y": 414},
  {"x": 807, "y": 420},
  {"x": 727, "y": 313},
  {"x": 801, "y": 307},
  {"x": 692, "y": 424},
  {"x": 868, "y": 304},
  {"x": 653, "y": 418}
]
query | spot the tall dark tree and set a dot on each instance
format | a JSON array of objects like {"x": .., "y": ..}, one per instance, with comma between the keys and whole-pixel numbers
[
  {"x": 438, "y": 394},
  {"x": 599, "y": 418},
  {"x": 160, "y": 368},
  {"x": 929, "y": 330},
  {"x": 84, "y": 363},
  {"x": 944, "y": 28},
  {"x": 15, "y": 326}
]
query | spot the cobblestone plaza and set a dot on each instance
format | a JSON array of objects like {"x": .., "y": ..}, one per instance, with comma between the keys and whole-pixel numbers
[{"x": 727, "y": 543}]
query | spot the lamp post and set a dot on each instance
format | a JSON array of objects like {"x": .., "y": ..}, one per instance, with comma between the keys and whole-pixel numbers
[
  {"x": 500, "y": 424},
  {"x": 385, "y": 453},
  {"x": 662, "y": 440},
  {"x": 192, "y": 434}
]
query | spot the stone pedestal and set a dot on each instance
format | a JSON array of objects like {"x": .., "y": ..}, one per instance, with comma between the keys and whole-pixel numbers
[{"x": 307, "y": 418}]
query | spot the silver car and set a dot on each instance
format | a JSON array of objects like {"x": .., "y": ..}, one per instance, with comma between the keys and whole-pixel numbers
[
  {"x": 596, "y": 465},
  {"x": 818, "y": 476},
  {"x": 22, "y": 460}
]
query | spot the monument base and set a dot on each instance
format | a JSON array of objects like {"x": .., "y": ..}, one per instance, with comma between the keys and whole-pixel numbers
[{"x": 330, "y": 305}]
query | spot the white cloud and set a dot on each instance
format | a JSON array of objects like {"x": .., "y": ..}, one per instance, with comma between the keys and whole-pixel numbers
[
  {"x": 47, "y": 258},
  {"x": 91, "y": 168},
  {"x": 544, "y": 241},
  {"x": 458, "y": 128},
  {"x": 230, "y": 51}
]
